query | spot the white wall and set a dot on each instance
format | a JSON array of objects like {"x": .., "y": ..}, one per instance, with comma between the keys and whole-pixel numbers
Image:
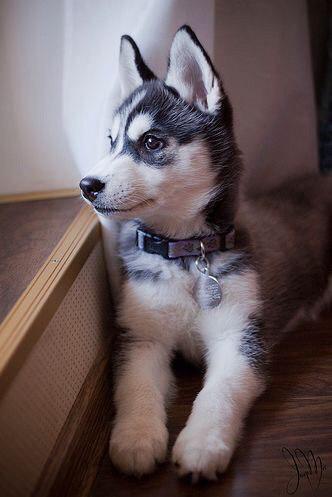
[{"x": 34, "y": 149}]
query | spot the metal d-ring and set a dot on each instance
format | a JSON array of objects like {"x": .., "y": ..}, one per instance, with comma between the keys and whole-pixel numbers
[{"x": 202, "y": 262}]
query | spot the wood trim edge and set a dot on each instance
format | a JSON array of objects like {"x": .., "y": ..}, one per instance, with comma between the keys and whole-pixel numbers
[
  {"x": 34, "y": 309},
  {"x": 73, "y": 463},
  {"x": 43, "y": 195}
]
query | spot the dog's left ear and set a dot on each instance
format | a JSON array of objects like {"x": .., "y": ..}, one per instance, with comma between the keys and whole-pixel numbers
[
  {"x": 132, "y": 69},
  {"x": 191, "y": 72}
]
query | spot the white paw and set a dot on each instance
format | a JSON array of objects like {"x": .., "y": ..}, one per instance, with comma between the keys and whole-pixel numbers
[
  {"x": 136, "y": 446},
  {"x": 201, "y": 453}
]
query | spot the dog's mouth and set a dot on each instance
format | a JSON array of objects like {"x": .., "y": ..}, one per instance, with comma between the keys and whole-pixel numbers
[{"x": 109, "y": 211}]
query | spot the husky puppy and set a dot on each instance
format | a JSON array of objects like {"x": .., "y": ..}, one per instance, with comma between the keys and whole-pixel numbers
[{"x": 204, "y": 274}]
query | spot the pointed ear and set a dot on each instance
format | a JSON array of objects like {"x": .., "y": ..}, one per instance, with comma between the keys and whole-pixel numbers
[
  {"x": 132, "y": 69},
  {"x": 191, "y": 73}
]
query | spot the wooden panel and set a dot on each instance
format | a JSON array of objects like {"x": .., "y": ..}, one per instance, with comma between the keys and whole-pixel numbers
[
  {"x": 32, "y": 312},
  {"x": 73, "y": 463},
  {"x": 29, "y": 233},
  {"x": 44, "y": 390},
  {"x": 295, "y": 412},
  {"x": 27, "y": 196}
]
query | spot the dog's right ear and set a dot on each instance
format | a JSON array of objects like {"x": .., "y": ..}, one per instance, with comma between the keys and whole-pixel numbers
[{"x": 132, "y": 69}]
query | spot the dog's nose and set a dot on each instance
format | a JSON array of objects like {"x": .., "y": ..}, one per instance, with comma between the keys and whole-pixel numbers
[{"x": 91, "y": 187}]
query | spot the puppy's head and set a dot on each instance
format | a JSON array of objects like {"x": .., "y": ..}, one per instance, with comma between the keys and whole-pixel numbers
[{"x": 172, "y": 152}]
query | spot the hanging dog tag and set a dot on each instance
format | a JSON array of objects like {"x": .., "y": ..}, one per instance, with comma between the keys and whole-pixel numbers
[{"x": 208, "y": 292}]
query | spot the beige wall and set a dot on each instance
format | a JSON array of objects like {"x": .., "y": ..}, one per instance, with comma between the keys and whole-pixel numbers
[{"x": 262, "y": 50}]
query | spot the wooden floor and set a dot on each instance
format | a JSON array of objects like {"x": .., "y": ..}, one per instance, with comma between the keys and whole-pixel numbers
[
  {"x": 295, "y": 413},
  {"x": 29, "y": 232}
]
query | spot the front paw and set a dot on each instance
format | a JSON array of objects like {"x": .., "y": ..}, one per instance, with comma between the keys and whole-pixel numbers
[
  {"x": 136, "y": 446},
  {"x": 201, "y": 453}
]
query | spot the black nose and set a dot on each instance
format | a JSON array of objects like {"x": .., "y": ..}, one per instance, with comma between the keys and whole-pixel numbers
[{"x": 91, "y": 187}]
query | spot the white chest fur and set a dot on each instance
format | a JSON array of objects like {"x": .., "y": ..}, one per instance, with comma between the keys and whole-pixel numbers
[{"x": 165, "y": 310}]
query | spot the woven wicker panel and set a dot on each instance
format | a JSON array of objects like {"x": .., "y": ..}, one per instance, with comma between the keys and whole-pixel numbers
[{"x": 39, "y": 399}]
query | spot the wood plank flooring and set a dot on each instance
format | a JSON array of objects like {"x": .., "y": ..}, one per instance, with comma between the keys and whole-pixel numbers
[
  {"x": 28, "y": 233},
  {"x": 294, "y": 413}
]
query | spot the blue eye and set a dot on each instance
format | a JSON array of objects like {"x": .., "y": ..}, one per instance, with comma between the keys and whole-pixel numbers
[{"x": 153, "y": 143}]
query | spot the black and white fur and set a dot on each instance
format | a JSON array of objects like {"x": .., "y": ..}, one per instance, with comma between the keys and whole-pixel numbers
[{"x": 187, "y": 186}]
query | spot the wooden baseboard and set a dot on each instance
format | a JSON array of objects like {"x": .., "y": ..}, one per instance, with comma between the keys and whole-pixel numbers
[
  {"x": 75, "y": 449},
  {"x": 73, "y": 463},
  {"x": 44, "y": 195},
  {"x": 34, "y": 309}
]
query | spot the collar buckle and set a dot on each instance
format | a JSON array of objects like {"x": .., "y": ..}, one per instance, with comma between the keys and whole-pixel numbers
[{"x": 152, "y": 244}]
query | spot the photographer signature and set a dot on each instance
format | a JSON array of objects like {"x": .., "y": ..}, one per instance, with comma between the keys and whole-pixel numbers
[{"x": 305, "y": 466}]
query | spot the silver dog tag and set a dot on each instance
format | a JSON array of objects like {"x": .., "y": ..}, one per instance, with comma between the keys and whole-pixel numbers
[{"x": 207, "y": 290}]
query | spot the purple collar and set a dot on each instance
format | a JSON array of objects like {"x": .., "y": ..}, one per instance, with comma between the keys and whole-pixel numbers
[{"x": 172, "y": 249}]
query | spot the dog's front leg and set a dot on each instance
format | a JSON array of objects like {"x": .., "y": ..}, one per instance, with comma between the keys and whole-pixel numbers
[
  {"x": 206, "y": 444},
  {"x": 139, "y": 437}
]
